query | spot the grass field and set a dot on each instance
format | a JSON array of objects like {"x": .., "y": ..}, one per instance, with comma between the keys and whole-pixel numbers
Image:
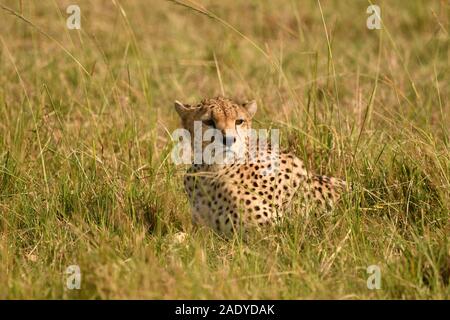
[{"x": 85, "y": 123}]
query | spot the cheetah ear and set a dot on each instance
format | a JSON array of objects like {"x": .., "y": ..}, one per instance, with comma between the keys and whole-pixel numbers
[
  {"x": 251, "y": 107},
  {"x": 181, "y": 109}
]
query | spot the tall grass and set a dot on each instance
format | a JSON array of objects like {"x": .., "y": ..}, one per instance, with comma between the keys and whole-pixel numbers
[{"x": 85, "y": 170}]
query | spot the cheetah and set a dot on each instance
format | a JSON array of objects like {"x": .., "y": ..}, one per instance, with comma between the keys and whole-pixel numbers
[{"x": 251, "y": 191}]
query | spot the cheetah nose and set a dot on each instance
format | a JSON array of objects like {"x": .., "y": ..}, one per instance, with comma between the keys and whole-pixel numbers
[{"x": 229, "y": 140}]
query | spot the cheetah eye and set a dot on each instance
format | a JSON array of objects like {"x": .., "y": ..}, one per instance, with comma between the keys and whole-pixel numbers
[
  {"x": 239, "y": 122},
  {"x": 209, "y": 123}
]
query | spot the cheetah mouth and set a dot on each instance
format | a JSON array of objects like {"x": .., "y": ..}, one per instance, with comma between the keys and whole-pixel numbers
[
  {"x": 228, "y": 155},
  {"x": 228, "y": 152},
  {"x": 236, "y": 153}
]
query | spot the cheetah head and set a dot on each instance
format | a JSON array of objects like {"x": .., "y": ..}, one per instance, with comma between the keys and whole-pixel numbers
[{"x": 219, "y": 120}]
